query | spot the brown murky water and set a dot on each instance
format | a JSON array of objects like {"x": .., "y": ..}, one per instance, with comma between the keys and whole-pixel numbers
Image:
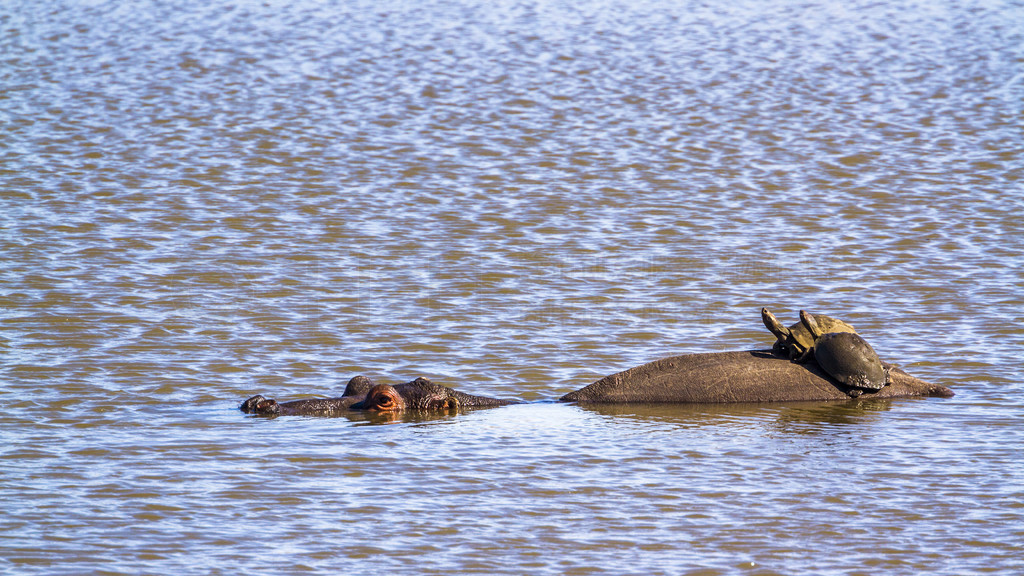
[{"x": 200, "y": 201}]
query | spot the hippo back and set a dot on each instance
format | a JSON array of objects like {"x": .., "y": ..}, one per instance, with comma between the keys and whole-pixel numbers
[{"x": 742, "y": 376}]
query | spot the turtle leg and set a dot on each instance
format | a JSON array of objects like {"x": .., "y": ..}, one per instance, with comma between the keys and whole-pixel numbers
[{"x": 802, "y": 358}]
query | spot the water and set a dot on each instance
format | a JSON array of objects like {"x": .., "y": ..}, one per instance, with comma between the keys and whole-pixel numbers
[{"x": 200, "y": 201}]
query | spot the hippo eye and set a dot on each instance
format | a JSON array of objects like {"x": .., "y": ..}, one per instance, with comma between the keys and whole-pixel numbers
[{"x": 384, "y": 401}]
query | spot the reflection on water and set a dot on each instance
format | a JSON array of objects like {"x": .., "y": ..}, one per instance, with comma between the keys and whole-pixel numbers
[
  {"x": 790, "y": 417},
  {"x": 206, "y": 200}
]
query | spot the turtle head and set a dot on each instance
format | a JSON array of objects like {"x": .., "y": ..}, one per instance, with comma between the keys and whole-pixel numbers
[
  {"x": 789, "y": 341},
  {"x": 773, "y": 325},
  {"x": 811, "y": 324}
]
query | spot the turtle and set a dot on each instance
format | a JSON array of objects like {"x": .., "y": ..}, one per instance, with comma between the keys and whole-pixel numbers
[
  {"x": 846, "y": 357},
  {"x": 796, "y": 341}
]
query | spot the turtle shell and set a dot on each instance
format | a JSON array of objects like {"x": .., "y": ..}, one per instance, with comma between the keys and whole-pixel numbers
[
  {"x": 799, "y": 339},
  {"x": 849, "y": 359}
]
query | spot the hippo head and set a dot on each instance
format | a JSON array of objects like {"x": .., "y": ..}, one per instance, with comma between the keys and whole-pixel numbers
[
  {"x": 260, "y": 405},
  {"x": 361, "y": 394},
  {"x": 420, "y": 394}
]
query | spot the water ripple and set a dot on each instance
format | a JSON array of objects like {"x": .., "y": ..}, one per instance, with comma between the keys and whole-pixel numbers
[{"x": 207, "y": 200}]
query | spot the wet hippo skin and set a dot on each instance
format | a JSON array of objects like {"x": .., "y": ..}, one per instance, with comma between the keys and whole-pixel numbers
[
  {"x": 362, "y": 394},
  {"x": 709, "y": 378},
  {"x": 743, "y": 376}
]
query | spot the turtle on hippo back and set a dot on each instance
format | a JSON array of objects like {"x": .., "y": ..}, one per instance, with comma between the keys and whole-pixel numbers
[
  {"x": 797, "y": 342},
  {"x": 836, "y": 347}
]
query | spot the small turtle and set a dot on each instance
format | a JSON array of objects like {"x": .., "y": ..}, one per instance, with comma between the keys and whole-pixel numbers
[
  {"x": 796, "y": 341},
  {"x": 846, "y": 357}
]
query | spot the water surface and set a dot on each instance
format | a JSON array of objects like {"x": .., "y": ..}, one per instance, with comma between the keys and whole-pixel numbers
[{"x": 200, "y": 201}]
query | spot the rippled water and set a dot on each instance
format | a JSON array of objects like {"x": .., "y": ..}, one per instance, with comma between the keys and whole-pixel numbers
[{"x": 200, "y": 201}]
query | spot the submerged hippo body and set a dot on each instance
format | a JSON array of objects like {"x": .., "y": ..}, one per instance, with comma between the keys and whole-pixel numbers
[
  {"x": 362, "y": 394},
  {"x": 710, "y": 378},
  {"x": 744, "y": 376}
]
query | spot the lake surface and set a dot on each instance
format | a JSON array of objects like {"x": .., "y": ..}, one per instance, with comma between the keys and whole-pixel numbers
[{"x": 201, "y": 201}]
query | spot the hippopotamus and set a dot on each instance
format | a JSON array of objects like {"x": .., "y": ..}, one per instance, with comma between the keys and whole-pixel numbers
[
  {"x": 739, "y": 376},
  {"x": 362, "y": 394},
  {"x": 708, "y": 378},
  {"x": 847, "y": 368}
]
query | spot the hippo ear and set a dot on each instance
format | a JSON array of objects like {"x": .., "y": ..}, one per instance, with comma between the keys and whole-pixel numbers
[{"x": 358, "y": 386}]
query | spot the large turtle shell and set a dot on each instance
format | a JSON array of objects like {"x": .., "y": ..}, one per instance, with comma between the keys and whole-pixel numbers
[{"x": 849, "y": 359}]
